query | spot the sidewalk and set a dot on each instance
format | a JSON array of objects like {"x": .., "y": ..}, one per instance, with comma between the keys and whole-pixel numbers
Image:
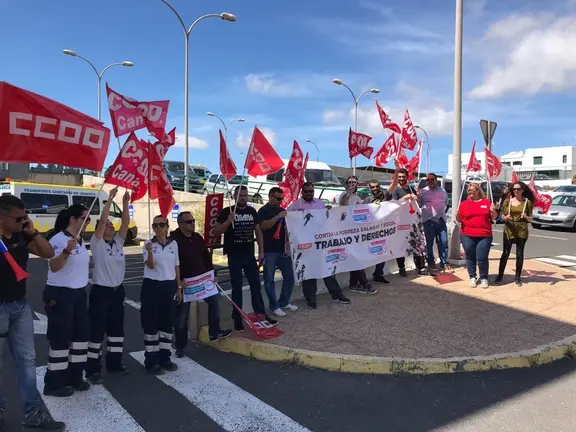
[{"x": 418, "y": 325}]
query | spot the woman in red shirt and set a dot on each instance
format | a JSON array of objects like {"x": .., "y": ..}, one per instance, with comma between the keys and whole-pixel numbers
[{"x": 475, "y": 216}]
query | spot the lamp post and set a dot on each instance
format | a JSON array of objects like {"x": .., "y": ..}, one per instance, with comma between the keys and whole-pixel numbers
[
  {"x": 427, "y": 149},
  {"x": 356, "y": 100},
  {"x": 98, "y": 74},
  {"x": 225, "y": 125},
  {"x": 226, "y": 17},
  {"x": 317, "y": 151}
]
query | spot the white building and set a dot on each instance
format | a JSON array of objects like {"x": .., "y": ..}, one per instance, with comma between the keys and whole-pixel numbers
[
  {"x": 505, "y": 175},
  {"x": 548, "y": 163}
]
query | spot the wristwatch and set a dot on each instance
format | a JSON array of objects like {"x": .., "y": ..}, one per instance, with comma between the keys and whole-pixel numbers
[{"x": 34, "y": 234}]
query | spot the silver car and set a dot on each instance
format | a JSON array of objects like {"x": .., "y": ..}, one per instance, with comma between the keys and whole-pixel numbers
[{"x": 562, "y": 213}]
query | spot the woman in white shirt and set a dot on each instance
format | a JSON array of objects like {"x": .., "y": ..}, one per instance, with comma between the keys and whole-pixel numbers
[
  {"x": 65, "y": 303},
  {"x": 159, "y": 291},
  {"x": 106, "y": 310}
]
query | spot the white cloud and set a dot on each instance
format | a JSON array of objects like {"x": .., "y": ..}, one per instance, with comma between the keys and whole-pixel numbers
[
  {"x": 530, "y": 53},
  {"x": 193, "y": 142},
  {"x": 268, "y": 84},
  {"x": 243, "y": 139},
  {"x": 330, "y": 116}
]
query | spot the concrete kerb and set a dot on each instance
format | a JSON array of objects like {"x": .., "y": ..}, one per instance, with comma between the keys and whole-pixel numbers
[{"x": 393, "y": 365}]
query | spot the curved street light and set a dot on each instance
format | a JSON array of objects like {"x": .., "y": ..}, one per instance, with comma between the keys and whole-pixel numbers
[
  {"x": 338, "y": 81},
  {"x": 317, "y": 151},
  {"x": 225, "y": 125},
  {"x": 98, "y": 74},
  {"x": 224, "y": 16},
  {"x": 427, "y": 149}
]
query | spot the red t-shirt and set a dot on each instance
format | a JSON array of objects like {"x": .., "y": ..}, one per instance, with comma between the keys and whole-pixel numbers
[{"x": 475, "y": 218}]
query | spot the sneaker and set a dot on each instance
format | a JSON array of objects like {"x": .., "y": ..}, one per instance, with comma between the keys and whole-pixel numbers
[
  {"x": 432, "y": 266},
  {"x": 290, "y": 307},
  {"x": 472, "y": 282},
  {"x": 279, "y": 312},
  {"x": 95, "y": 379},
  {"x": 484, "y": 283},
  {"x": 312, "y": 304},
  {"x": 80, "y": 385},
  {"x": 271, "y": 321},
  {"x": 170, "y": 366},
  {"x": 518, "y": 282},
  {"x": 222, "y": 335},
  {"x": 402, "y": 272},
  {"x": 180, "y": 353},
  {"x": 239, "y": 327},
  {"x": 369, "y": 289},
  {"x": 424, "y": 272},
  {"x": 381, "y": 279},
  {"x": 121, "y": 369},
  {"x": 156, "y": 370},
  {"x": 341, "y": 299},
  {"x": 356, "y": 288},
  {"x": 43, "y": 421},
  {"x": 498, "y": 280},
  {"x": 59, "y": 392}
]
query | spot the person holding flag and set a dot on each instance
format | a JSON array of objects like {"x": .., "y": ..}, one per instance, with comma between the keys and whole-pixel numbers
[
  {"x": 20, "y": 238},
  {"x": 434, "y": 202}
]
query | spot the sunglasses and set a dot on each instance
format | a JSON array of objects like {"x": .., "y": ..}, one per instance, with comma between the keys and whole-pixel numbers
[
  {"x": 516, "y": 189},
  {"x": 308, "y": 191},
  {"x": 159, "y": 225},
  {"x": 189, "y": 222}
]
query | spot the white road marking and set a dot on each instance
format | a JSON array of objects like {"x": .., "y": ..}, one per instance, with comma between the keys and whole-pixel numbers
[
  {"x": 541, "y": 236},
  {"x": 134, "y": 304},
  {"x": 234, "y": 409},
  {"x": 41, "y": 324},
  {"x": 95, "y": 410},
  {"x": 495, "y": 244},
  {"x": 556, "y": 262},
  {"x": 567, "y": 257}
]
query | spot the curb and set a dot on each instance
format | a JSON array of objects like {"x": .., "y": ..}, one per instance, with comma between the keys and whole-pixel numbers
[{"x": 393, "y": 365}]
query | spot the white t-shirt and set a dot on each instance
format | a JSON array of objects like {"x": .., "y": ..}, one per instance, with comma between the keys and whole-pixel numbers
[
  {"x": 353, "y": 200},
  {"x": 75, "y": 272},
  {"x": 109, "y": 261},
  {"x": 165, "y": 261}
]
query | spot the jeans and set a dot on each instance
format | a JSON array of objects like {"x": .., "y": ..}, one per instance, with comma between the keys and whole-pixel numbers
[
  {"x": 309, "y": 288},
  {"x": 436, "y": 231},
  {"x": 283, "y": 262},
  {"x": 17, "y": 329},
  {"x": 181, "y": 323},
  {"x": 506, "y": 248},
  {"x": 246, "y": 263},
  {"x": 476, "y": 250}
]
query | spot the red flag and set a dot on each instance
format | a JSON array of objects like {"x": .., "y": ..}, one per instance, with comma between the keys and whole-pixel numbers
[
  {"x": 514, "y": 176},
  {"x": 409, "y": 138},
  {"x": 163, "y": 145},
  {"x": 543, "y": 202},
  {"x": 358, "y": 144},
  {"x": 387, "y": 152},
  {"x": 293, "y": 176},
  {"x": 401, "y": 159},
  {"x": 387, "y": 123},
  {"x": 493, "y": 165},
  {"x": 261, "y": 159},
  {"x": 36, "y": 129},
  {"x": 130, "y": 169},
  {"x": 414, "y": 164},
  {"x": 158, "y": 185},
  {"x": 129, "y": 115},
  {"x": 532, "y": 187},
  {"x": 227, "y": 166},
  {"x": 473, "y": 163}
]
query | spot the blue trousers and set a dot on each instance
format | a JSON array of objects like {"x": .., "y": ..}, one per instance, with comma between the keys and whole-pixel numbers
[
  {"x": 476, "y": 250},
  {"x": 436, "y": 231},
  {"x": 283, "y": 262}
]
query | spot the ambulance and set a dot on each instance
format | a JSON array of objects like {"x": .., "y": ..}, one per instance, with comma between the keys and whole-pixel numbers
[{"x": 43, "y": 202}]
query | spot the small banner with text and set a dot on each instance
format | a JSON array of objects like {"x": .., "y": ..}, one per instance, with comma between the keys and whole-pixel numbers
[{"x": 199, "y": 287}]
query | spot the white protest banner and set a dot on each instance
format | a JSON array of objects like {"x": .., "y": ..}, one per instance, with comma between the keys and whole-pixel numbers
[
  {"x": 343, "y": 239},
  {"x": 199, "y": 287}
]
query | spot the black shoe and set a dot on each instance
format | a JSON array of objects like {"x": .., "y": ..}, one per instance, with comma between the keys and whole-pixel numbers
[
  {"x": 381, "y": 279},
  {"x": 312, "y": 304},
  {"x": 156, "y": 370},
  {"x": 341, "y": 299},
  {"x": 424, "y": 272},
  {"x": 222, "y": 335},
  {"x": 239, "y": 326},
  {"x": 180, "y": 353},
  {"x": 59, "y": 392},
  {"x": 170, "y": 366},
  {"x": 432, "y": 266},
  {"x": 79, "y": 385},
  {"x": 43, "y": 421},
  {"x": 95, "y": 379},
  {"x": 271, "y": 321},
  {"x": 122, "y": 369},
  {"x": 518, "y": 282},
  {"x": 498, "y": 280},
  {"x": 402, "y": 272}
]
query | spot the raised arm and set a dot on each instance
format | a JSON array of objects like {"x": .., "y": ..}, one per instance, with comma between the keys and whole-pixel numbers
[
  {"x": 105, "y": 214},
  {"x": 125, "y": 215}
]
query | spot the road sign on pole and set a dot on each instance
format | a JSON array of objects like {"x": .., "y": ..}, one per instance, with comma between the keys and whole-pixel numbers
[
  {"x": 488, "y": 128},
  {"x": 175, "y": 211}
]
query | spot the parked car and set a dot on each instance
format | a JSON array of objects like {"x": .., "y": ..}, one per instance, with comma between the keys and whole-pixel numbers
[
  {"x": 217, "y": 184},
  {"x": 560, "y": 190},
  {"x": 497, "y": 188},
  {"x": 175, "y": 174},
  {"x": 201, "y": 171},
  {"x": 562, "y": 213}
]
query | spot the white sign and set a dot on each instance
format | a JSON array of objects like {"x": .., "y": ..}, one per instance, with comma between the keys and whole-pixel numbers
[
  {"x": 175, "y": 211},
  {"x": 343, "y": 239},
  {"x": 200, "y": 287},
  {"x": 131, "y": 211}
]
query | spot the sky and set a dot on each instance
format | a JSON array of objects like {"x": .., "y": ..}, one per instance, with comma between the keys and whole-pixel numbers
[{"x": 274, "y": 67}]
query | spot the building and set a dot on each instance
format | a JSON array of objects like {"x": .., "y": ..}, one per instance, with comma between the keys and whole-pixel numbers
[
  {"x": 547, "y": 163},
  {"x": 14, "y": 171}
]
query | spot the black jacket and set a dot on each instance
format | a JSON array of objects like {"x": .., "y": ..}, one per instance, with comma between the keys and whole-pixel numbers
[{"x": 195, "y": 258}]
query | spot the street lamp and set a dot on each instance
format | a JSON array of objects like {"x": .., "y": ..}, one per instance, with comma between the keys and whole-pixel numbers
[
  {"x": 224, "y": 16},
  {"x": 427, "y": 149},
  {"x": 356, "y": 100},
  {"x": 225, "y": 125},
  {"x": 317, "y": 151},
  {"x": 98, "y": 74}
]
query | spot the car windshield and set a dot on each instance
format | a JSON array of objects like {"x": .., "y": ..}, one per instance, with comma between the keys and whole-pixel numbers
[
  {"x": 322, "y": 177},
  {"x": 565, "y": 189},
  {"x": 237, "y": 179},
  {"x": 178, "y": 168},
  {"x": 564, "y": 200}
]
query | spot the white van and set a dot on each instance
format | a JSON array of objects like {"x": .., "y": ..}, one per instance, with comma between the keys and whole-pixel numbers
[
  {"x": 43, "y": 202},
  {"x": 327, "y": 187}
]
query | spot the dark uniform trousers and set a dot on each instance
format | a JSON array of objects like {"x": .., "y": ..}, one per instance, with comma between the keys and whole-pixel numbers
[
  {"x": 106, "y": 313},
  {"x": 68, "y": 328}
]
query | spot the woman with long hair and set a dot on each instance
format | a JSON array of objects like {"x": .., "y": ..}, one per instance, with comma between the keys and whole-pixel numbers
[
  {"x": 66, "y": 306},
  {"x": 475, "y": 216},
  {"x": 517, "y": 214}
]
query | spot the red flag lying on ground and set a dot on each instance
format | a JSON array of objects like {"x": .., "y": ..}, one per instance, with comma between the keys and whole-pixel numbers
[
  {"x": 387, "y": 152},
  {"x": 473, "y": 164},
  {"x": 387, "y": 122},
  {"x": 227, "y": 165},
  {"x": 409, "y": 138},
  {"x": 261, "y": 159},
  {"x": 493, "y": 165},
  {"x": 36, "y": 129},
  {"x": 358, "y": 144}
]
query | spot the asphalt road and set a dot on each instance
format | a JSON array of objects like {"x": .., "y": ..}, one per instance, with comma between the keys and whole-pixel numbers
[{"x": 215, "y": 391}]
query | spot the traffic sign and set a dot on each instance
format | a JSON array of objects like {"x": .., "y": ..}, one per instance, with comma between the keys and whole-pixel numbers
[
  {"x": 488, "y": 128},
  {"x": 175, "y": 211},
  {"x": 131, "y": 211}
]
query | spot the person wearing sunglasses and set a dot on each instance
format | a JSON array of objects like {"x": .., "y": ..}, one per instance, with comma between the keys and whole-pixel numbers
[
  {"x": 16, "y": 317},
  {"x": 161, "y": 286},
  {"x": 195, "y": 260},
  {"x": 66, "y": 305},
  {"x": 517, "y": 214},
  {"x": 106, "y": 300},
  {"x": 434, "y": 201}
]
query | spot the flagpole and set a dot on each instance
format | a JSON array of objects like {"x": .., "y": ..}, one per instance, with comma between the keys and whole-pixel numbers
[
  {"x": 90, "y": 209},
  {"x": 149, "y": 182}
]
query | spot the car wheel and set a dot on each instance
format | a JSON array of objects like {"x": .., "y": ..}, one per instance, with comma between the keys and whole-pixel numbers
[
  {"x": 535, "y": 225},
  {"x": 205, "y": 192},
  {"x": 257, "y": 199}
]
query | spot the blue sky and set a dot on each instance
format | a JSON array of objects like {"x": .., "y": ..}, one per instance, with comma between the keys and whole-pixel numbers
[{"x": 275, "y": 65}]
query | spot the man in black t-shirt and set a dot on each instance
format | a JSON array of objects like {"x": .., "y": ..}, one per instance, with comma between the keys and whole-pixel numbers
[
  {"x": 276, "y": 256},
  {"x": 16, "y": 318},
  {"x": 239, "y": 224}
]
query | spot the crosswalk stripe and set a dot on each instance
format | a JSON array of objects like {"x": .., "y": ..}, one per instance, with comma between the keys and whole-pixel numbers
[
  {"x": 234, "y": 409},
  {"x": 134, "y": 304},
  {"x": 567, "y": 257},
  {"x": 95, "y": 410},
  {"x": 556, "y": 262}
]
